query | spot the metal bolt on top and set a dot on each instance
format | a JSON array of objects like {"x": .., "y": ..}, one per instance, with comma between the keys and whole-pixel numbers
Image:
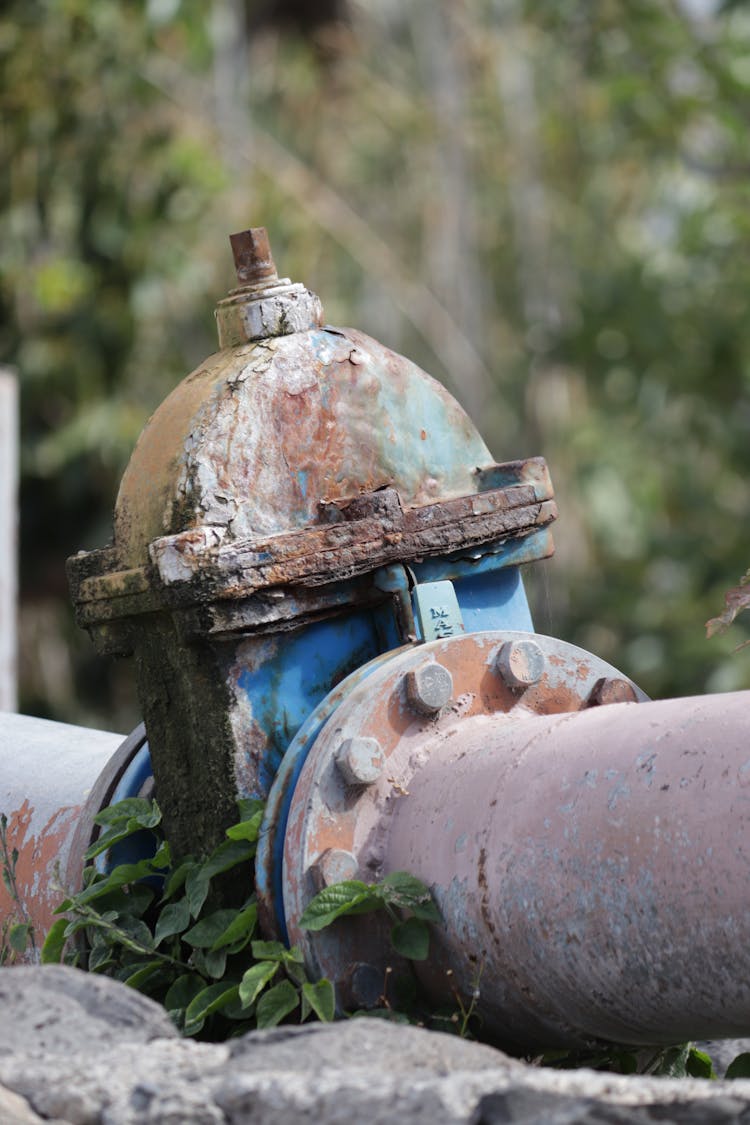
[
  {"x": 334, "y": 865},
  {"x": 607, "y": 691},
  {"x": 360, "y": 761},
  {"x": 520, "y": 663},
  {"x": 429, "y": 688}
]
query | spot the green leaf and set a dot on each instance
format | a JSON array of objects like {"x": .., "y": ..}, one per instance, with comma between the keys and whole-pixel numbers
[
  {"x": 182, "y": 991},
  {"x": 246, "y": 829},
  {"x": 209, "y": 1000},
  {"x": 321, "y": 998},
  {"x": 255, "y": 980},
  {"x": 215, "y": 962},
  {"x": 121, "y": 830},
  {"x": 124, "y": 874},
  {"x": 249, "y": 807},
  {"x": 143, "y": 973},
  {"x": 18, "y": 936},
  {"x": 173, "y": 919},
  {"x": 269, "y": 951},
  {"x": 405, "y": 891},
  {"x": 240, "y": 929},
  {"x": 342, "y": 898},
  {"x": 411, "y": 939},
  {"x": 101, "y": 954},
  {"x": 699, "y": 1064},
  {"x": 136, "y": 929},
  {"x": 672, "y": 1062},
  {"x": 196, "y": 889},
  {"x": 141, "y": 809},
  {"x": 739, "y": 1067},
  {"x": 176, "y": 880},
  {"x": 226, "y": 856},
  {"x": 54, "y": 943},
  {"x": 206, "y": 932},
  {"x": 277, "y": 1003}
]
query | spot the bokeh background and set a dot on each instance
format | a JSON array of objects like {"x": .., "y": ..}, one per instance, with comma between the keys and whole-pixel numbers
[{"x": 546, "y": 205}]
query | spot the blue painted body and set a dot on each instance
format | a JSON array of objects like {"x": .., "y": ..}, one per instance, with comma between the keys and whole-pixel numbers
[{"x": 293, "y": 686}]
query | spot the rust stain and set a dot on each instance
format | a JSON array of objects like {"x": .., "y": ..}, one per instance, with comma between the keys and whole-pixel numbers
[{"x": 39, "y": 869}]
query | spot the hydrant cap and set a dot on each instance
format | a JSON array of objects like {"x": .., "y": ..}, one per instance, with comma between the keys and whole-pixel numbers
[{"x": 255, "y": 440}]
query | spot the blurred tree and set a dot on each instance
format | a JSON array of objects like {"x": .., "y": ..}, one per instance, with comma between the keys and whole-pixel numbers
[{"x": 544, "y": 205}]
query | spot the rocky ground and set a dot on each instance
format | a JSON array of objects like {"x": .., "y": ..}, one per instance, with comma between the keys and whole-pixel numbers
[{"x": 77, "y": 1049}]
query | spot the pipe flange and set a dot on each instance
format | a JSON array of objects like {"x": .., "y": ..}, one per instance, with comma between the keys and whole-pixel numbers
[{"x": 418, "y": 699}]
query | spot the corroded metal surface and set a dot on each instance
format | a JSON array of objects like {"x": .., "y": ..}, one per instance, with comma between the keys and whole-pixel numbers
[
  {"x": 55, "y": 778},
  {"x": 592, "y": 871},
  {"x": 263, "y": 502},
  {"x": 252, "y": 255},
  {"x": 195, "y": 566},
  {"x": 268, "y": 465},
  {"x": 588, "y": 858},
  {"x": 325, "y": 813}
]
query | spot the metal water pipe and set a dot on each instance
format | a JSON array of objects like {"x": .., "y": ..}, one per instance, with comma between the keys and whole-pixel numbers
[{"x": 315, "y": 565}]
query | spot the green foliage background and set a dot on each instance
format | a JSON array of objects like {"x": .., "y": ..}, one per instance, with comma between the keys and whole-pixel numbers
[{"x": 546, "y": 205}]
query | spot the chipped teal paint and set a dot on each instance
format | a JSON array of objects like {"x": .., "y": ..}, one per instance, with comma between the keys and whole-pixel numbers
[
  {"x": 437, "y": 610},
  {"x": 494, "y": 601},
  {"x": 282, "y": 691},
  {"x": 389, "y": 401}
]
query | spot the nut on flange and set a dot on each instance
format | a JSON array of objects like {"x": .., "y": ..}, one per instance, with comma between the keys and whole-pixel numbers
[
  {"x": 429, "y": 687},
  {"x": 360, "y": 760},
  {"x": 520, "y": 663},
  {"x": 334, "y": 865},
  {"x": 612, "y": 690}
]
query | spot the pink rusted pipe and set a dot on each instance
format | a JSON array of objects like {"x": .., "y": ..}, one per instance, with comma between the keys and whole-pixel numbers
[{"x": 593, "y": 871}]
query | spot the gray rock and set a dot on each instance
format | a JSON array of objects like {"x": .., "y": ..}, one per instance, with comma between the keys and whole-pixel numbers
[
  {"x": 83, "y": 1050},
  {"x": 57, "y": 1009},
  {"x": 355, "y": 1044},
  {"x": 15, "y": 1110}
]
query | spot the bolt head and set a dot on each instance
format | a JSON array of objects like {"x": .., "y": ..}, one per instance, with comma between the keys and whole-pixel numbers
[
  {"x": 429, "y": 687},
  {"x": 334, "y": 865},
  {"x": 366, "y": 985},
  {"x": 612, "y": 690},
  {"x": 360, "y": 761},
  {"x": 520, "y": 663}
]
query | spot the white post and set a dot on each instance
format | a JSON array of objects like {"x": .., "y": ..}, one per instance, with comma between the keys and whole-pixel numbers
[{"x": 8, "y": 537}]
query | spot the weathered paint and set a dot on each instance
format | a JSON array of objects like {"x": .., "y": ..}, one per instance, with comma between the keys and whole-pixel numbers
[
  {"x": 325, "y": 814},
  {"x": 263, "y": 501},
  {"x": 589, "y": 859},
  {"x": 54, "y": 779},
  {"x": 600, "y": 889}
]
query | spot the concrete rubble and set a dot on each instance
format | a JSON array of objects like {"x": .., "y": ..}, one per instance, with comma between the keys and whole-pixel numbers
[{"x": 78, "y": 1049}]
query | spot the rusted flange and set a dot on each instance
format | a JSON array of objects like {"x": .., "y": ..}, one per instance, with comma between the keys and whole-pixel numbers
[{"x": 468, "y": 686}]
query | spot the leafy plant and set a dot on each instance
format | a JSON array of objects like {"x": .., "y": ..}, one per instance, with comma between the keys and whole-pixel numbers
[
  {"x": 17, "y": 932},
  {"x": 684, "y": 1060},
  {"x": 409, "y": 936},
  {"x": 397, "y": 892},
  {"x": 739, "y": 1067},
  {"x": 158, "y": 929}
]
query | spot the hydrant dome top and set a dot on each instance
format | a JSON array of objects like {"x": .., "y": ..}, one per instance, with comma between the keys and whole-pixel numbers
[{"x": 261, "y": 436}]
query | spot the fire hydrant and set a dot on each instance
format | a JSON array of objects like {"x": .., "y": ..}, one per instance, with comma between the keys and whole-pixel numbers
[{"x": 316, "y": 568}]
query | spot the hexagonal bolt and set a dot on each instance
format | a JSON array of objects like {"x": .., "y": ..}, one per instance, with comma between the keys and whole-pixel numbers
[
  {"x": 611, "y": 691},
  {"x": 334, "y": 865},
  {"x": 429, "y": 687},
  {"x": 252, "y": 256},
  {"x": 520, "y": 663},
  {"x": 366, "y": 985},
  {"x": 360, "y": 761}
]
